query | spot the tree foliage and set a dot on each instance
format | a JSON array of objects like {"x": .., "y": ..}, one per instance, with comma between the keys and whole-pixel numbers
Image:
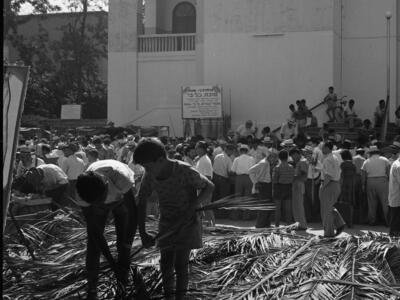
[{"x": 66, "y": 70}]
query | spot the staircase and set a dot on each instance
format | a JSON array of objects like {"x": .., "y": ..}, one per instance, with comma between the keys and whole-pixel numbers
[{"x": 346, "y": 133}]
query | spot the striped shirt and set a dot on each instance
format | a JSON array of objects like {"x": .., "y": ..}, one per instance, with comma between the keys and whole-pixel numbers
[{"x": 283, "y": 173}]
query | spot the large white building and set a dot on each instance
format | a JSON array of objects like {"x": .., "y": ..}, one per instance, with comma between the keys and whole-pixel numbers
[{"x": 264, "y": 53}]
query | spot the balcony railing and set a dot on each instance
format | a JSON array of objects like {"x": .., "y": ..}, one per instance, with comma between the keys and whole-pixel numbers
[{"x": 167, "y": 42}]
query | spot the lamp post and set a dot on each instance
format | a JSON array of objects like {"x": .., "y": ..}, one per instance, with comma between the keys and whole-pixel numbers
[{"x": 386, "y": 118}]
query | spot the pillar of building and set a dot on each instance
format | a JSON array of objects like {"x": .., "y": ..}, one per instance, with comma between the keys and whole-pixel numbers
[
  {"x": 122, "y": 61},
  {"x": 397, "y": 17},
  {"x": 150, "y": 23}
]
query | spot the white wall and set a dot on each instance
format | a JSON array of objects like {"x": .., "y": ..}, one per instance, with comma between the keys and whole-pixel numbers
[
  {"x": 264, "y": 74},
  {"x": 364, "y": 53},
  {"x": 161, "y": 76}
]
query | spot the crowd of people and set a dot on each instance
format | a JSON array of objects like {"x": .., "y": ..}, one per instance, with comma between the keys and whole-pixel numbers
[{"x": 308, "y": 179}]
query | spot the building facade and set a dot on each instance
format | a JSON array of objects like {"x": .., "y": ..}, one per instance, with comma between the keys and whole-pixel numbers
[{"x": 265, "y": 54}]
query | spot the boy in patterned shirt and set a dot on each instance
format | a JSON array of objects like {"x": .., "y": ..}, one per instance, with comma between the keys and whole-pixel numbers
[{"x": 180, "y": 189}]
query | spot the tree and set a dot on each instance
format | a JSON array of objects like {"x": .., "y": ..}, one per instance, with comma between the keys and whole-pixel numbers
[{"x": 64, "y": 71}]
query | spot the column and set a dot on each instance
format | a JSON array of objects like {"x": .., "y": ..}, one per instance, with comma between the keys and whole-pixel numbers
[{"x": 122, "y": 61}]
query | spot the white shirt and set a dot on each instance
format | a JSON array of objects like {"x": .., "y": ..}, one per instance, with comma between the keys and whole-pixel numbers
[
  {"x": 204, "y": 166},
  {"x": 288, "y": 132},
  {"x": 242, "y": 131},
  {"x": 331, "y": 167},
  {"x": 36, "y": 161},
  {"x": 242, "y": 164},
  {"x": 53, "y": 176},
  {"x": 394, "y": 184},
  {"x": 376, "y": 166},
  {"x": 121, "y": 177},
  {"x": 260, "y": 172},
  {"x": 222, "y": 165},
  {"x": 337, "y": 154},
  {"x": 73, "y": 166}
]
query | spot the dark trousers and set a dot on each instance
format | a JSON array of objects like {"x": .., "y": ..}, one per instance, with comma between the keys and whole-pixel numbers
[
  {"x": 312, "y": 206},
  {"x": 283, "y": 203},
  {"x": 58, "y": 196},
  {"x": 125, "y": 220},
  {"x": 264, "y": 217},
  {"x": 394, "y": 221},
  {"x": 222, "y": 188},
  {"x": 243, "y": 186}
]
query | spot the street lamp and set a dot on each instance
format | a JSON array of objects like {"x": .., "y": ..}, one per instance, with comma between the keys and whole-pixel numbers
[{"x": 388, "y": 16}]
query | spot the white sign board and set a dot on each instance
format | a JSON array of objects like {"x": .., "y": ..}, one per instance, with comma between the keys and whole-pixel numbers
[
  {"x": 71, "y": 111},
  {"x": 201, "y": 102}
]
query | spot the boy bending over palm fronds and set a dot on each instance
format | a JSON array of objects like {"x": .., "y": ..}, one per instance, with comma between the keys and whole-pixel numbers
[
  {"x": 107, "y": 187},
  {"x": 181, "y": 189}
]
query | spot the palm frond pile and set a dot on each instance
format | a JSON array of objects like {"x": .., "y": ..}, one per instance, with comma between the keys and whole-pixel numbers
[{"x": 233, "y": 264}]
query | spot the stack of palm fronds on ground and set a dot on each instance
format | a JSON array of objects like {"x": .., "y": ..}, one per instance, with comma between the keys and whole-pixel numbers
[{"x": 233, "y": 264}]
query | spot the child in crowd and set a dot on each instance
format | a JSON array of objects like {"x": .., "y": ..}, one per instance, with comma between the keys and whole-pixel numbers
[{"x": 180, "y": 189}]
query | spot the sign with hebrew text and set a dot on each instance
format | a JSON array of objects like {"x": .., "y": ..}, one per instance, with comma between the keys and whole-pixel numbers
[{"x": 201, "y": 102}]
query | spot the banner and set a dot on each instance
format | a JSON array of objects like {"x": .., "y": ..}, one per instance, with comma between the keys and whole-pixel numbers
[
  {"x": 71, "y": 111},
  {"x": 15, "y": 80},
  {"x": 201, "y": 102}
]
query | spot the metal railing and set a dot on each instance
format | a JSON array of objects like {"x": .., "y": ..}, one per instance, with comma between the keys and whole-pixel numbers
[{"x": 166, "y": 42}]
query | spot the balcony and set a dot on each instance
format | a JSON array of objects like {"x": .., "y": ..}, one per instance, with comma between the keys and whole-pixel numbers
[{"x": 166, "y": 42}]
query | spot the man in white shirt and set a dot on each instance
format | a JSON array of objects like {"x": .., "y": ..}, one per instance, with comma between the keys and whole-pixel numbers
[
  {"x": 394, "y": 197},
  {"x": 27, "y": 161},
  {"x": 260, "y": 176},
  {"x": 241, "y": 167},
  {"x": 203, "y": 162},
  {"x": 288, "y": 130},
  {"x": 72, "y": 167},
  {"x": 50, "y": 180},
  {"x": 351, "y": 115},
  {"x": 329, "y": 192},
  {"x": 244, "y": 130},
  {"x": 221, "y": 171},
  {"x": 204, "y": 166},
  {"x": 375, "y": 173},
  {"x": 108, "y": 186}
]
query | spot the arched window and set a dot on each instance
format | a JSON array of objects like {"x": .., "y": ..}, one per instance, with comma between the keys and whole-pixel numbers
[{"x": 184, "y": 18}]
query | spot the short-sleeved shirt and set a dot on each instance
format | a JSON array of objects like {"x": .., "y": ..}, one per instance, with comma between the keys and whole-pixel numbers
[
  {"x": 53, "y": 177},
  {"x": 301, "y": 170},
  {"x": 376, "y": 166},
  {"x": 204, "y": 166},
  {"x": 331, "y": 99},
  {"x": 121, "y": 177},
  {"x": 331, "y": 167},
  {"x": 73, "y": 166},
  {"x": 242, "y": 164},
  {"x": 177, "y": 202},
  {"x": 283, "y": 173},
  {"x": 222, "y": 165},
  {"x": 35, "y": 162},
  {"x": 394, "y": 184}
]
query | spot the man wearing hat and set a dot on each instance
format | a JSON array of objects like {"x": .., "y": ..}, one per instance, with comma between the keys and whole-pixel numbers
[
  {"x": 329, "y": 192},
  {"x": 394, "y": 195},
  {"x": 375, "y": 172},
  {"x": 27, "y": 160},
  {"x": 288, "y": 130}
]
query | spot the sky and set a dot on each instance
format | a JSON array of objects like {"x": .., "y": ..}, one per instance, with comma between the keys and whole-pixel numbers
[{"x": 93, "y": 6}]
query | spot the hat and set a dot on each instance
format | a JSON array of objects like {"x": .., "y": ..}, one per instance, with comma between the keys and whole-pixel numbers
[
  {"x": 267, "y": 139},
  {"x": 288, "y": 143},
  {"x": 396, "y": 144},
  {"x": 25, "y": 149},
  {"x": 308, "y": 148},
  {"x": 131, "y": 144},
  {"x": 61, "y": 146},
  {"x": 291, "y": 122},
  {"x": 243, "y": 146},
  {"x": 373, "y": 150}
]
